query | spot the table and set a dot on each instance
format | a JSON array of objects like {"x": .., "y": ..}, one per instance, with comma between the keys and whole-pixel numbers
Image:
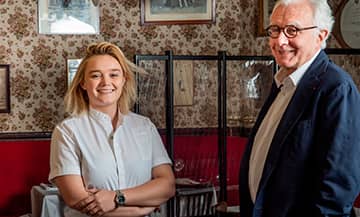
[
  {"x": 46, "y": 203},
  {"x": 231, "y": 211}
]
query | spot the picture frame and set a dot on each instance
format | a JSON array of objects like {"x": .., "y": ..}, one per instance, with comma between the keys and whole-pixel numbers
[
  {"x": 265, "y": 9},
  {"x": 68, "y": 17},
  {"x": 183, "y": 83},
  {"x": 71, "y": 68},
  {"x": 4, "y": 88},
  {"x": 346, "y": 28},
  {"x": 177, "y": 12}
]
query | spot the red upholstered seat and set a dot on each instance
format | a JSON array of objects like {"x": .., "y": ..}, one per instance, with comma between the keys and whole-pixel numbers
[{"x": 22, "y": 164}]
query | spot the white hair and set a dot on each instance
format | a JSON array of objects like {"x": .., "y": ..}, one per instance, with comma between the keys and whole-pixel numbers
[{"x": 322, "y": 14}]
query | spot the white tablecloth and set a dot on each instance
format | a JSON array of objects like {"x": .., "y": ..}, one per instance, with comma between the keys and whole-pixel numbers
[{"x": 46, "y": 203}]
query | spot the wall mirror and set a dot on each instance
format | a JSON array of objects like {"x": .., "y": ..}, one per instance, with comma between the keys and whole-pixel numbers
[{"x": 68, "y": 16}]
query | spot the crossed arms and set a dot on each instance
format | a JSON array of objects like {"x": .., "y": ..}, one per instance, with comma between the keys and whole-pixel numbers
[{"x": 140, "y": 200}]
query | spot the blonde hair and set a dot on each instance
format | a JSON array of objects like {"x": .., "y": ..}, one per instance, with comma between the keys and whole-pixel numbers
[{"x": 76, "y": 98}]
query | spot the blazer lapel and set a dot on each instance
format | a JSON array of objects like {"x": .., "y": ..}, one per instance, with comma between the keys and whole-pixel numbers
[{"x": 302, "y": 97}]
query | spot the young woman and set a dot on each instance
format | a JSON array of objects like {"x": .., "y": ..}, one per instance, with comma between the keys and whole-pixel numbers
[{"x": 106, "y": 160}]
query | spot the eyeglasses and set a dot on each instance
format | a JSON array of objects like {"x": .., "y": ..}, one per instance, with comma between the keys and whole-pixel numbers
[{"x": 290, "y": 31}]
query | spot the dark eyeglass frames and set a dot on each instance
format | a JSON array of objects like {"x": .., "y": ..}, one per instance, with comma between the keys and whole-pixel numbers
[{"x": 290, "y": 31}]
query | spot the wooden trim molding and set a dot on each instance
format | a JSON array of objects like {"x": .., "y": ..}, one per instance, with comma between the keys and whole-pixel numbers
[
  {"x": 231, "y": 131},
  {"x": 25, "y": 136}
]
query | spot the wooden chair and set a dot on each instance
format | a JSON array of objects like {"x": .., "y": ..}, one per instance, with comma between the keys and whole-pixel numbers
[{"x": 195, "y": 201}]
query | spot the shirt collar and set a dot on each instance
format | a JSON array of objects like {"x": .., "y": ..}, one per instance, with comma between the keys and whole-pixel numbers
[
  {"x": 105, "y": 117},
  {"x": 294, "y": 78},
  {"x": 98, "y": 115}
]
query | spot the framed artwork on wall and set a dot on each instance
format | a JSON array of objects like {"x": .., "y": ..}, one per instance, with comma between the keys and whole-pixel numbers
[
  {"x": 165, "y": 12},
  {"x": 4, "y": 89},
  {"x": 265, "y": 9},
  {"x": 183, "y": 83},
  {"x": 71, "y": 65},
  {"x": 347, "y": 24},
  {"x": 68, "y": 17}
]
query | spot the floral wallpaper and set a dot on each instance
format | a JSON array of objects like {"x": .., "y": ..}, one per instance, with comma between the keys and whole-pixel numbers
[{"x": 38, "y": 62}]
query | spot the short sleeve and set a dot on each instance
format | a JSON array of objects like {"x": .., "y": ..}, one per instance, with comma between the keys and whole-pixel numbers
[
  {"x": 159, "y": 153},
  {"x": 64, "y": 153}
]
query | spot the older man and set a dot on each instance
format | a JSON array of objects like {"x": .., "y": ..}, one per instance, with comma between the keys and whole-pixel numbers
[{"x": 302, "y": 157}]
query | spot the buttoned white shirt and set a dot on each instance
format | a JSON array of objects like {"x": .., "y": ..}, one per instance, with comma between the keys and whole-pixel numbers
[
  {"x": 88, "y": 146},
  {"x": 268, "y": 126}
]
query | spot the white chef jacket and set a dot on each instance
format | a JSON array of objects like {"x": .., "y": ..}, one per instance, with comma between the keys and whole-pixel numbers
[{"x": 86, "y": 145}]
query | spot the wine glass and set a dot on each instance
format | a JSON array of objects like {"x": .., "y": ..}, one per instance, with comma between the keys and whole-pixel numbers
[{"x": 179, "y": 165}]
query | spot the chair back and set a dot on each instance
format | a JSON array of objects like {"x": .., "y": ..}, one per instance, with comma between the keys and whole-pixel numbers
[{"x": 194, "y": 201}]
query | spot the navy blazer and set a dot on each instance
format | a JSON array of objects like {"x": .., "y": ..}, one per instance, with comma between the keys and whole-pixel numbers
[{"x": 313, "y": 164}]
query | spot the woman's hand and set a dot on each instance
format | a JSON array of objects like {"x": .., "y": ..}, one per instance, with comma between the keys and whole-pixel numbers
[
  {"x": 97, "y": 203},
  {"x": 101, "y": 203}
]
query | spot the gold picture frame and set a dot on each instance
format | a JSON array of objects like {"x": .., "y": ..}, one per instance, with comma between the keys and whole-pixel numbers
[
  {"x": 265, "y": 9},
  {"x": 177, "y": 12},
  {"x": 4, "y": 88}
]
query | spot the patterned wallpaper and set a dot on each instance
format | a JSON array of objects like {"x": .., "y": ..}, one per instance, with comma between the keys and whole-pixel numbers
[{"x": 38, "y": 62}]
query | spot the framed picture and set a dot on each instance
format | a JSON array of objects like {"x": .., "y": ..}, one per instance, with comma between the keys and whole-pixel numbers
[
  {"x": 68, "y": 17},
  {"x": 265, "y": 9},
  {"x": 4, "y": 89},
  {"x": 72, "y": 65},
  {"x": 347, "y": 28},
  {"x": 165, "y": 12},
  {"x": 183, "y": 83}
]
